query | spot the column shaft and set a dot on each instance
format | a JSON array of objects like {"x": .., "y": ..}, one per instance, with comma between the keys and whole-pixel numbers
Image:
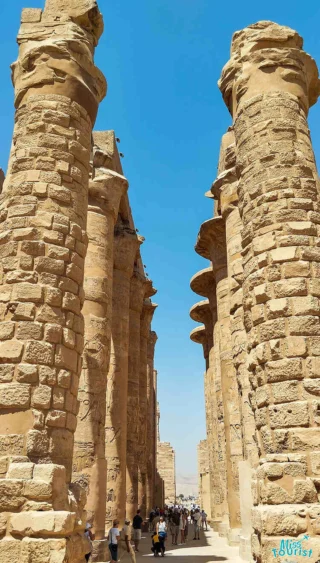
[
  {"x": 151, "y": 409},
  {"x": 126, "y": 247},
  {"x": 278, "y": 199},
  {"x": 137, "y": 293},
  {"x": 89, "y": 463},
  {"x": 146, "y": 317},
  {"x": 42, "y": 249}
]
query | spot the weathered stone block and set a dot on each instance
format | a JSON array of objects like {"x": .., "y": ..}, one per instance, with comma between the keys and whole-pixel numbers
[
  {"x": 20, "y": 471},
  {"x": 281, "y": 370},
  {"x": 11, "y": 351},
  {"x": 14, "y": 395},
  {"x": 42, "y": 523},
  {"x": 41, "y": 397}
]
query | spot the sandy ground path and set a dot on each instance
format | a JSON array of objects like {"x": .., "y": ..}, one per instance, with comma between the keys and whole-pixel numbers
[{"x": 209, "y": 549}]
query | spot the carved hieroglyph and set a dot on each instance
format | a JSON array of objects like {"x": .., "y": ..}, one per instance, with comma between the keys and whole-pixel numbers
[
  {"x": 269, "y": 85},
  {"x": 106, "y": 187},
  {"x": 43, "y": 243}
]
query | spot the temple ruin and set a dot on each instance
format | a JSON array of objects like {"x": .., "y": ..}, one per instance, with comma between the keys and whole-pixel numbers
[
  {"x": 78, "y": 392},
  {"x": 260, "y": 305}
]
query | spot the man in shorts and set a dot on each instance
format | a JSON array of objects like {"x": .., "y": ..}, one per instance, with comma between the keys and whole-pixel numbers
[{"x": 136, "y": 524}]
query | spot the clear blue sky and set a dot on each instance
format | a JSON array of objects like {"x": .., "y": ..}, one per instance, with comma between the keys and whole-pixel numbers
[{"x": 162, "y": 60}]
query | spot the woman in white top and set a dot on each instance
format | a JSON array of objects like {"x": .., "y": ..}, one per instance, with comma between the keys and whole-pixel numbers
[
  {"x": 162, "y": 533},
  {"x": 114, "y": 539}
]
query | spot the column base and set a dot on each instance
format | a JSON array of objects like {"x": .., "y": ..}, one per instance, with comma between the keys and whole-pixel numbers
[
  {"x": 223, "y": 529},
  {"x": 100, "y": 551},
  {"x": 215, "y": 524},
  {"x": 233, "y": 536},
  {"x": 50, "y": 523},
  {"x": 245, "y": 550}
]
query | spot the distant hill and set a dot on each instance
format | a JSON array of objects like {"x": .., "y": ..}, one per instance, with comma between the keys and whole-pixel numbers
[{"x": 187, "y": 485}]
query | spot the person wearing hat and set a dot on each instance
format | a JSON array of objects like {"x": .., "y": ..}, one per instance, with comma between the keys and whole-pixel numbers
[{"x": 125, "y": 536}]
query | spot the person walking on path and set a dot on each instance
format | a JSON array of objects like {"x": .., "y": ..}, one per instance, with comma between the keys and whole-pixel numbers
[
  {"x": 172, "y": 528},
  {"x": 162, "y": 533},
  {"x": 136, "y": 524},
  {"x": 90, "y": 537},
  {"x": 196, "y": 519},
  {"x": 126, "y": 544},
  {"x": 182, "y": 525},
  {"x": 151, "y": 519},
  {"x": 176, "y": 521},
  {"x": 114, "y": 539},
  {"x": 204, "y": 520},
  {"x": 186, "y": 527}
]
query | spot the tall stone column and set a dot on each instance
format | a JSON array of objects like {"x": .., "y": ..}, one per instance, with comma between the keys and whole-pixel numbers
[
  {"x": 43, "y": 243},
  {"x": 204, "y": 477},
  {"x": 212, "y": 244},
  {"x": 268, "y": 85},
  {"x": 225, "y": 191},
  {"x": 203, "y": 283},
  {"x": 106, "y": 188},
  {"x": 137, "y": 294},
  {"x": 146, "y": 318},
  {"x": 151, "y": 419},
  {"x": 126, "y": 245}
]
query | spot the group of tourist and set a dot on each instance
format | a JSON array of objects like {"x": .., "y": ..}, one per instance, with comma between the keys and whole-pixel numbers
[{"x": 175, "y": 521}]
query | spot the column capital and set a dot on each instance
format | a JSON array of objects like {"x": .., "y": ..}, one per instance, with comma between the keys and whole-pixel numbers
[
  {"x": 153, "y": 337},
  {"x": 211, "y": 242},
  {"x": 56, "y": 54},
  {"x": 138, "y": 288},
  {"x": 224, "y": 188},
  {"x": 199, "y": 336},
  {"x": 148, "y": 311},
  {"x": 267, "y": 57},
  {"x": 126, "y": 246},
  {"x": 201, "y": 312},
  {"x": 203, "y": 283},
  {"x": 106, "y": 190}
]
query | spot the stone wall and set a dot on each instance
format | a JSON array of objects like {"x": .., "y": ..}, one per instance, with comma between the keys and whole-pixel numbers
[{"x": 166, "y": 466}]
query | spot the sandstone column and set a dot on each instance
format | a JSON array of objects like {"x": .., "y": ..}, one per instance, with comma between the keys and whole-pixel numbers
[
  {"x": 137, "y": 293},
  {"x": 269, "y": 85},
  {"x": 203, "y": 283},
  {"x": 146, "y": 318},
  {"x": 151, "y": 420},
  {"x": 106, "y": 188},
  {"x": 212, "y": 244},
  {"x": 126, "y": 244},
  {"x": 204, "y": 477},
  {"x": 225, "y": 191},
  {"x": 42, "y": 250}
]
